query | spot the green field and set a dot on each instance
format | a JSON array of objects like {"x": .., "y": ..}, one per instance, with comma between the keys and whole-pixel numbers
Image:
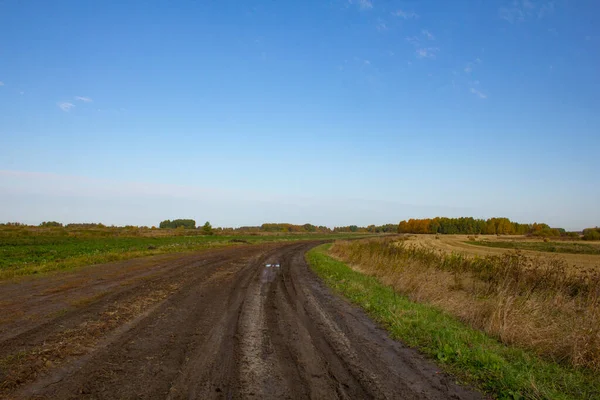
[
  {"x": 551, "y": 247},
  {"x": 506, "y": 372},
  {"x": 29, "y": 252}
]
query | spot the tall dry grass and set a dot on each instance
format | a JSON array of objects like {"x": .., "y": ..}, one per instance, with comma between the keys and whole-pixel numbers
[{"x": 536, "y": 303}]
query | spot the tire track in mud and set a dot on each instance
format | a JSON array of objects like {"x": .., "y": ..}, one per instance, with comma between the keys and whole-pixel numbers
[{"x": 234, "y": 328}]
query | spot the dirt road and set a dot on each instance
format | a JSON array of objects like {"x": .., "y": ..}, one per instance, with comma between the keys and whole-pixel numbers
[{"x": 211, "y": 325}]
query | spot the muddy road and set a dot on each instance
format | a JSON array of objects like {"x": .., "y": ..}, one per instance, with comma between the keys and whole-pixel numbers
[{"x": 210, "y": 325}]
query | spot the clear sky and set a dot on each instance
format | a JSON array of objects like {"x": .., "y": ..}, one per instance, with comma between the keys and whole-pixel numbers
[{"x": 329, "y": 112}]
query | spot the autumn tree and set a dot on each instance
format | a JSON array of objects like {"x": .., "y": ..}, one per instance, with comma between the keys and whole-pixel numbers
[{"x": 470, "y": 225}]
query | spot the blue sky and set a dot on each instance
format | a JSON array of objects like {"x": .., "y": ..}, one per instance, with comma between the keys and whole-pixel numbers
[{"x": 329, "y": 112}]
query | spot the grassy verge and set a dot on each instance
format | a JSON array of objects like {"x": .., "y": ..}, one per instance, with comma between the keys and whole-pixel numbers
[
  {"x": 551, "y": 247},
  {"x": 504, "y": 371},
  {"x": 42, "y": 253}
]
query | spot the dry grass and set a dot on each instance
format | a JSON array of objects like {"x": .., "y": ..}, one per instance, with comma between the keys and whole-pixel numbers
[
  {"x": 463, "y": 245},
  {"x": 533, "y": 302}
]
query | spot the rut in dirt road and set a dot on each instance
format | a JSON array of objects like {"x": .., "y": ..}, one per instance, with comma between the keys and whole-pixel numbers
[{"x": 233, "y": 327}]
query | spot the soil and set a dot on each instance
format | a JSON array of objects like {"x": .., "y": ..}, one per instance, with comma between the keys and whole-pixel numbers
[{"x": 217, "y": 324}]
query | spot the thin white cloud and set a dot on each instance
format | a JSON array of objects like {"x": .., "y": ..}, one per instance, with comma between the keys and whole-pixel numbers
[
  {"x": 381, "y": 25},
  {"x": 428, "y": 34},
  {"x": 362, "y": 61},
  {"x": 546, "y": 9},
  {"x": 65, "y": 106},
  {"x": 423, "y": 51},
  {"x": 362, "y": 4},
  {"x": 521, "y": 10},
  {"x": 1, "y": 83},
  {"x": 478, "y": 93},
  {"x": 515, "y": 12},
  {"x": 470, "y": 65},
  {"x": 84, "y": 99},
  {"x": 405, "y": 14},
  {"x": 413, "y": 40},
  {"x": 511, "y": 15},
  {"x": 365, "y": 4},
  {"x": 427, "y": 52}
]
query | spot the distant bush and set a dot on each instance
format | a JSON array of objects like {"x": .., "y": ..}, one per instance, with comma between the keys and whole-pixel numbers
[
  {"x": 47, "y": 224},
  {"x": 591, "y": 234},
  {"x": 86, "y": 225},
  {"x": 287, "y": 227},
  {"x": 176, "y": 223},
  {"x": 546, "y": 232},
  {"x": 207, "y": 229}
]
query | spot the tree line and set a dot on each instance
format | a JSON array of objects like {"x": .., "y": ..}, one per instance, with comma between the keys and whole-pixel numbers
[
  {"x": 286, "y": 227},
  {"x": 470, "y": 225},
  {"x": 438, "y": 225},
  {"x": 386, "y": 228}
]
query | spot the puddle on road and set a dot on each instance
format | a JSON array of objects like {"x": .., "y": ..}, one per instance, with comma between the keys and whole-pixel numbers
[{"x": 269, "y": 272}]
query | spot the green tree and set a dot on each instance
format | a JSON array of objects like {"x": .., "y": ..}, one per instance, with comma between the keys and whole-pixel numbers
[
  {"x": 309, "y": 228},
  {"x": 51, "y": 224},
  {"x": 207, "y": 228},
  {"x": 591, "y": 234},
  {"x": 176, "y": 223}
]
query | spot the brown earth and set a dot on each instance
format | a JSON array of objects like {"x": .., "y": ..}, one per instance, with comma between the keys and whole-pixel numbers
[{"x": 212, "y": 325}]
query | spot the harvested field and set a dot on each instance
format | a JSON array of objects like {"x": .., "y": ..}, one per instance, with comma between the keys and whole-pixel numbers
[
  {"x": 461, "y": 244},
  {"x": 567, "y": 247}
]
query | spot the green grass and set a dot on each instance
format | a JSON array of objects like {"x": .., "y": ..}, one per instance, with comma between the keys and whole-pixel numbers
[
  {"x": 29, "y": 254},
  {"x": 552, "y": 247},
  {"x": 503, "y": 371}
]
